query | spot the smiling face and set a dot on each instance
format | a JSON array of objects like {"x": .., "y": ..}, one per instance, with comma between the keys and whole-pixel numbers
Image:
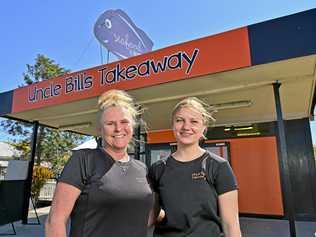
[
  {"x": 188, "y": 126},
  {"x": 116, "y": 128}
]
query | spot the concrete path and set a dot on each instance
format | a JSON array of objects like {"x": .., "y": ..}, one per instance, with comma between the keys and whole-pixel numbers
[
  {"x": 31, "y": 230},
  {"x": 251, "y": 227},
  {"x": 255, "y": 227}
]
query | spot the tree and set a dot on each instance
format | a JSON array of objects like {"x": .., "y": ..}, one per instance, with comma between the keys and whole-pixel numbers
[
  {"x": 53, "y": 146},
  {"x": 56, "y": 147},
  {"x": 43, "y": 69}
]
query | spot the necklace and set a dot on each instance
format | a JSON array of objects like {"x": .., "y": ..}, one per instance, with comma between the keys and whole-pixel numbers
[{"x": 123, "y": 166}]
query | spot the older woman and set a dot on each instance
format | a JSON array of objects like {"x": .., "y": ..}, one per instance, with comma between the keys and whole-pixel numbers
[
  {"x": 197, "y": 189},
  {"x": 104, "y": 190}
]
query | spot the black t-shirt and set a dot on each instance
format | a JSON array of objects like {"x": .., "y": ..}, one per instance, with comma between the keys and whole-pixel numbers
[
  {"x": 115, "y": 197},
  {"x": 188, "y": 198}
]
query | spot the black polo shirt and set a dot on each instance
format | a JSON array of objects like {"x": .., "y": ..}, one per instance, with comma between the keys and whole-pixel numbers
[
  {"x": 115, "y": 197},
  {"x": 190, "y": 201}
]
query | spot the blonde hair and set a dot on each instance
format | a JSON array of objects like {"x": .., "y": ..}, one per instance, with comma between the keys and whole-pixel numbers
[
  {"x": 199, "y": 106},
  {"x": 118, "y": 98}
]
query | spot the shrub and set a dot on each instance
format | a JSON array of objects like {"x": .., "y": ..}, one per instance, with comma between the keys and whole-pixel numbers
[{"x": 40, "y": 176}]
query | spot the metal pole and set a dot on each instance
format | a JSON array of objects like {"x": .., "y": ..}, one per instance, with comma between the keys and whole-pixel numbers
[
  {"x": 138, "y": 140},
  {"x": 101, "y": 54},
  {"x": 108, "y": 56},
  {"x": 287, "y": 187},
  {"x": 28, "y": 182}
]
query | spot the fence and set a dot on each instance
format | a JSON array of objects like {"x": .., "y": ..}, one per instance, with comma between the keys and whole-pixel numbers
[
  {"x": 3, "y": 170},
  {"x": 47, "y": 192}
]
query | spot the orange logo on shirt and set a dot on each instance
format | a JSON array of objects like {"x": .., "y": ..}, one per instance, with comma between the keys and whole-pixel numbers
[{"x": 199, "y": 175}]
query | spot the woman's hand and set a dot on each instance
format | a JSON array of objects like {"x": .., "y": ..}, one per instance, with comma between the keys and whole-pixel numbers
[
  {"x": 155, "y": 211},
  {"x": 161, "y": 215}
]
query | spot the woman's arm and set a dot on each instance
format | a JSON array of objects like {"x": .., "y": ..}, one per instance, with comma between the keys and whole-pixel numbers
[
  {"x": 154, "y": 213},
  {"x": 64, "y": 199},
  {"x": 228, "y": 208}
]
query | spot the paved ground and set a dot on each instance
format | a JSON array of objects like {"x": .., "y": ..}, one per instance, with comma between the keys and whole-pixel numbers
[
  {"x": 251, "y": 227},
  {"x": 254, "y": 227},
  {"x": 32, "y": 230}
]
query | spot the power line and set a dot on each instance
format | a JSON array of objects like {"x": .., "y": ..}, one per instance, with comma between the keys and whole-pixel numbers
[{"x": 83, "y": 52}]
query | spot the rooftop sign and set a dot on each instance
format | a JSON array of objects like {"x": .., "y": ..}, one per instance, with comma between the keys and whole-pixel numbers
[{"x": 117, "y": 32}]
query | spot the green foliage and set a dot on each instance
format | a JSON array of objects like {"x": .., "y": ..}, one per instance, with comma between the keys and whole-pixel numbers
[
  {"x": 40, "y": 176},
  {"x": 16, "y": 128},
  {"x": 56, "y": 147},
  {"x": 24, "y": 146},
  {"x": 43, "y": 69}
]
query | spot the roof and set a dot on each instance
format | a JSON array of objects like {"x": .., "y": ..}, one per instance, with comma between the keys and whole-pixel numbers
[
  {"x": 7, "y": 151},
  {"x": 90, "y": 144},
  {"x": 232, "y": 70}
]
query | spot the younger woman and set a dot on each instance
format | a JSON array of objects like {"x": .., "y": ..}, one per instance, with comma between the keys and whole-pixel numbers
[{"x": 196, "y": 189}]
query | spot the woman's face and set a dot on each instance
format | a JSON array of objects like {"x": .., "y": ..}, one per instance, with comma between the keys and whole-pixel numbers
[
  {"x": 116, "y": 128},
  {"x": 188, "y": 126}
]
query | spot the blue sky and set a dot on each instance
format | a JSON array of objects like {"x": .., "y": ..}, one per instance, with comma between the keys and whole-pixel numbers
[{"x": 63, "y": 30}]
